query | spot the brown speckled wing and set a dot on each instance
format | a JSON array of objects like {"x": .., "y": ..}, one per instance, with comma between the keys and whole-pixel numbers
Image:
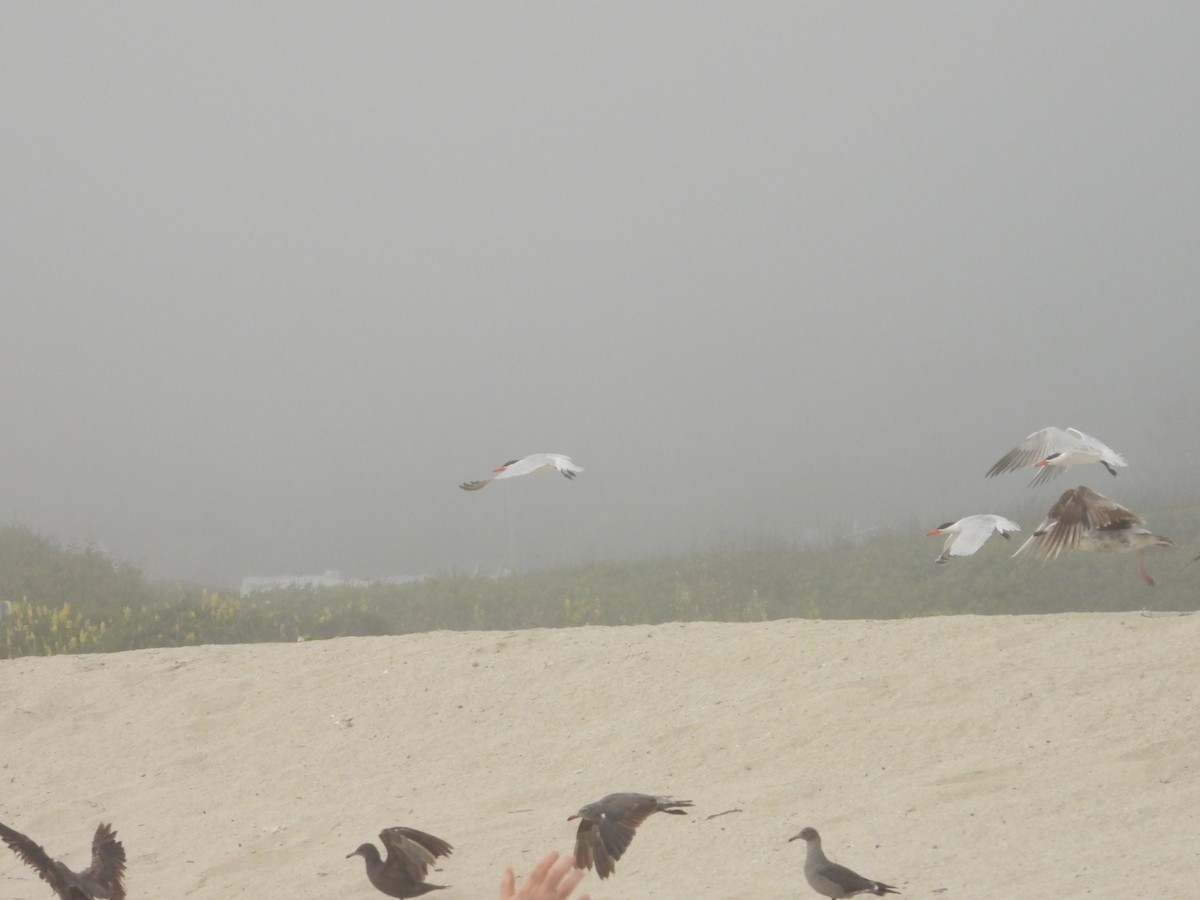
[
  {"x": 584, "y": 835},
  {"x": 617, "y": 834},
  {"x": 33, "y": 855},
  {"x": 108, "y": 862},
  {"x": 412, "y": 851},
  {"x": 1106, "y": 514},
  {"x": 1076, "y": 512}
]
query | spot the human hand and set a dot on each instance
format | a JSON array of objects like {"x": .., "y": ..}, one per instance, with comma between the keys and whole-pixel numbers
[{"x": 553, "y": 878}]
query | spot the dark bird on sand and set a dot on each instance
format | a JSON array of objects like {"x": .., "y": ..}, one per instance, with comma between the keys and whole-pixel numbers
[
  {"x": 410, "y": 853},
  {"x": 606, "y": 827},
  {"x": 102, "y": 880},
  {"x": 831, "y": 880}
]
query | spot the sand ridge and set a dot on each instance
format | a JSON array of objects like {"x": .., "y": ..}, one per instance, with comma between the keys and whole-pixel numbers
[{"x": 933, "y": 754}]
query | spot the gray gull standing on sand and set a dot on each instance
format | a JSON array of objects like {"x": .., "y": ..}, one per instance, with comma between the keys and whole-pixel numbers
[{"x": 831, "y": 880}]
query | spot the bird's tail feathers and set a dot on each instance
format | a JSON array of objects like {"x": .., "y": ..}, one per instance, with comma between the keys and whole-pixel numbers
[{"x": 667, "y": 805}]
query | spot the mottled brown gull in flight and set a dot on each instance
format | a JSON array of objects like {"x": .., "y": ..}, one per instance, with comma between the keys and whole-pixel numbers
[{"x": 102, "y": 880}]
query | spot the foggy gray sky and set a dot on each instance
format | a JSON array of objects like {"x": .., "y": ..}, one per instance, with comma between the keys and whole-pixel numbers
[{"x": 278, "y": 276}]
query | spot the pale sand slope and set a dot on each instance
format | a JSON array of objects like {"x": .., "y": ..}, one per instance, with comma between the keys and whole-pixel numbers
[{"x": 964, "y": 757}]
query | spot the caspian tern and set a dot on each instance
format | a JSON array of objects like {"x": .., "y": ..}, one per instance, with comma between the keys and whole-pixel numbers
[
  {"x": 1082, "y": 519},
  {"x": 1054, "y": 450},
  {"x": 535, "y": 463},
  {"x": 970, "y": 533}
]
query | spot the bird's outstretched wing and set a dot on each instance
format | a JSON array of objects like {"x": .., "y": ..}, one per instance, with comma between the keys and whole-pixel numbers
[
  {"x": 1078, "y": 511},
  {"x": 33, "y": 855},
  {"x": 1034, "y": 449},
  {"x": 589, "y": 849},
  {"x": 108, "y": 862},
  {"x": 413, "y": 850}
]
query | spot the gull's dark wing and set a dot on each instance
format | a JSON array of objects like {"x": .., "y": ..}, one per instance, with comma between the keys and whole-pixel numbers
[
  {"x": 412, "y": 851},
  {"x": 33, "y": 855},
  {"x": 590, "y": 850},
  {"x": 108, "y": 862}
]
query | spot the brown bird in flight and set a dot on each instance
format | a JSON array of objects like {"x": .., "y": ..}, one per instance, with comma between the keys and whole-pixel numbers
[
  {"x": 606, "y": 827},
  {"x": 99, "y": 881},
  {"x": 410, "y": 854},
  {"x": 1082, "y": 519}
]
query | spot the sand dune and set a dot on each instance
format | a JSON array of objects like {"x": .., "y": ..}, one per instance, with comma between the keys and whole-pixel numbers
[{"x": 958, "y": 757}]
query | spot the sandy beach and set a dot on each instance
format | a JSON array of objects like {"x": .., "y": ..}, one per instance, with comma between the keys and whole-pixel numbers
[{"x": 956, "y": 757}]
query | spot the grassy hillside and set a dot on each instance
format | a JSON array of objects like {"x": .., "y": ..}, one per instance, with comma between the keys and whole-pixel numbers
[{"x": 68, "y": 601}]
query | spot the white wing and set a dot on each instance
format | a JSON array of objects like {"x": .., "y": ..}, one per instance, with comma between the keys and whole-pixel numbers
[
  {"x": 1071, "y": 443},
  {"x": 535, "y": 462},
  {"x": 1101, "y": 450},
  {"x": 476, "y": 485},
  {"x": 1034, "y": 448},
  {"x": 974, "y": 532},
  {"x": 525, "y": 466},
  {"x": 565, "y": 465}
]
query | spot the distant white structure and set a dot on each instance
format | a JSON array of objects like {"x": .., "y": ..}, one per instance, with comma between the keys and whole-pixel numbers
[
  {"x": 255, "y": 584},
  {"x": 399, "y": 579}
]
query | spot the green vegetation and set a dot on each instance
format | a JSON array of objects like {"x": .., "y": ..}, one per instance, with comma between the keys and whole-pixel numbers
[{"x": 79, "y": 600}]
